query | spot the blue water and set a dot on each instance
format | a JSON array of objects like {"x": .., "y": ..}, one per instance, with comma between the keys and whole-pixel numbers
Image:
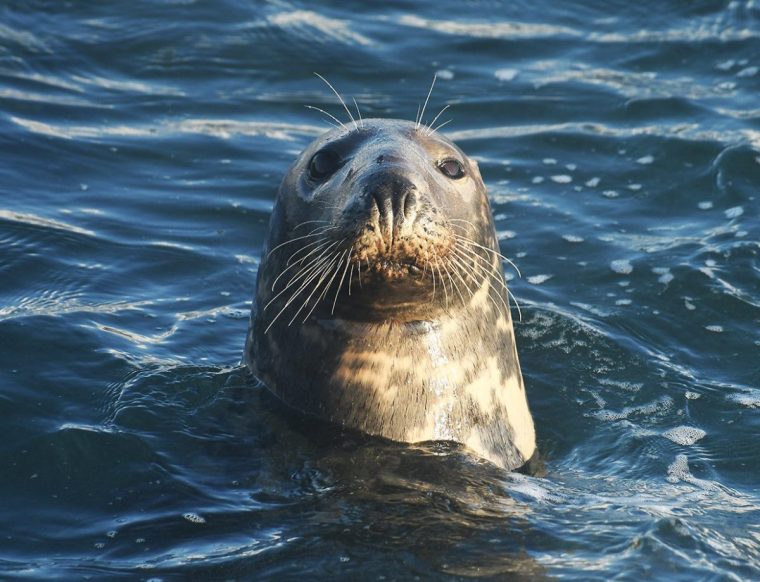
[{"x": 142, "y": 144}]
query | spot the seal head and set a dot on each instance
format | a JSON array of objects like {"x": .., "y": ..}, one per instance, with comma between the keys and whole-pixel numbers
[{"x": 380, "y": 301}]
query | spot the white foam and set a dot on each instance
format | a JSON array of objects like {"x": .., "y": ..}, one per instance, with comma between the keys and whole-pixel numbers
[
  {"x": 678, "y": 470},
  {"x": 622, "y": 266},
  {"x": 645, "y": 160},
  {"x": 538, "y": 279},
  {"x": 506, "y": 74},
  {"x": 194, "y": 518},
  {"x": 705, "y": 205},
  {"x": 562, "y": 179},
  {"x": 734, "y": 212},
  {"x": 593, "y": 182},
  {"x": 572, "y": 238},
  {"x": 684, "y": 435},
  {"x": 750, "y": 398}
]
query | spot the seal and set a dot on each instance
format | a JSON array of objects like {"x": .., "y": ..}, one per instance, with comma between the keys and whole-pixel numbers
[{"x": 380, "y": 300}]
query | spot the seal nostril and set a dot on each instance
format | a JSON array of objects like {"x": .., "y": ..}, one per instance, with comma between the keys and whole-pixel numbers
[{"x": 409, "y": 204}]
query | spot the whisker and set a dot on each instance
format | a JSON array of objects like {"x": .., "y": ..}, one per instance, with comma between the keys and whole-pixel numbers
[
  {"x": 315, "y": 264},
  {"x": 359, "y": 113},
  {"x": 327, "y": 286},
  {"x": 424, "y": 106},
  {"x": 498, "y": 277},
  {"x": 322, "y": 276},
  {"x": 292, "y": 298},
  {"x": 330, "y": 115},
  {"x": 292, "y": 240},
  {"x": 293, "y": 258},
  {"x": 321, "y": 244},
  {"x": 432, "y": 123},
  {"x": 443, "y": 283},
  {"x": 340, "y": 99},
  {"x": 498, "y": 254},
  {"x": 446, "y": 265},
  {"x": 300, "y": 224},
  {"x": 489, "y": 275},
  {"x": 342, "y": 278},
  {"x": 433, "y": 130}
]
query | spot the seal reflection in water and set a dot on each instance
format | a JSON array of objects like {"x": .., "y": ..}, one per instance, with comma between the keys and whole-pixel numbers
[{"x": 380, "y": 301}]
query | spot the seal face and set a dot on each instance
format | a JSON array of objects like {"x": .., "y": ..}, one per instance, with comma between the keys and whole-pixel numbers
[{"x": 380, "y": 300}]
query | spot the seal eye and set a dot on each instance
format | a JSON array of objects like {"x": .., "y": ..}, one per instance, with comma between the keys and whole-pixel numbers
[
  {"x": 451, "y": 168},
  {"x": 323, "y": 163}
]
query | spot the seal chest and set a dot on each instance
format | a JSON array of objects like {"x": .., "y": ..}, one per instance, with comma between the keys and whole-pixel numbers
[{"x": 380, "y": 301}]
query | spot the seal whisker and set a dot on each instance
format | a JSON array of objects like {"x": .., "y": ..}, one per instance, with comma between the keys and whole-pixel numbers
[
  {"x": 321, "y": 229},
  {"x": 316, "y": 263},
  {"x": 322, "y": 295},
  {"x": 303, "y": 286},
  {"x": 443, "y": 283},
  {"x": 321, "y": 244},
  {"x": 323, "y": 273},
  {"x": 446, "y": 264},
  {"x": 424, "y": 106},
  {"x": 519, "y": 311},
  {"x": 314, "y": 271},
  {"x": 317, "y": 244},
  {"x": 441, "y": 125},
  {"x": 288, "y": 266},
  {"x": 300, "y": 224},
  {"x": 502, "y": 257},
  {"x": 489, "y": 276},
  {"x": 432, "y": 123},
  {"x": 342, "y": 278},
  {"x": 493, "y": 276},
  {"x": 359, "y": 113},
  {"x": 340, "y": 99},
  {"x": 339, "y": 122}
]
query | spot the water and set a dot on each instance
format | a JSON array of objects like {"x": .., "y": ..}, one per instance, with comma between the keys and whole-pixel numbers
[{"x": 142, "y": 143}]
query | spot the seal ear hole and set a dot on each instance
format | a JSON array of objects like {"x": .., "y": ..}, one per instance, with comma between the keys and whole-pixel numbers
[
  {"x": 451, "y": 168},
  {"x": 323, "y": 164}
]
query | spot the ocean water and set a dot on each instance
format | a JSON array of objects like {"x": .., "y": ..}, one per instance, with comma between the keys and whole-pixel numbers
[{"x": 142, "y": 145}]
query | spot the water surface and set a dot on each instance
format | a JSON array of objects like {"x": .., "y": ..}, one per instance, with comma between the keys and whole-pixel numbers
[{"x": 142, "y": 145}]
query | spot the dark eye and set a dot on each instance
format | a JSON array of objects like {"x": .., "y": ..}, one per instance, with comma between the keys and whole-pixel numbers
[
  {"x": 323, "y": 163},
  {"x": 452, "y": 169}
]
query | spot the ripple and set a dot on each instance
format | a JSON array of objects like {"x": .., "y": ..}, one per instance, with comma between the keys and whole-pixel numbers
[{"x": 36, "y": 220}]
